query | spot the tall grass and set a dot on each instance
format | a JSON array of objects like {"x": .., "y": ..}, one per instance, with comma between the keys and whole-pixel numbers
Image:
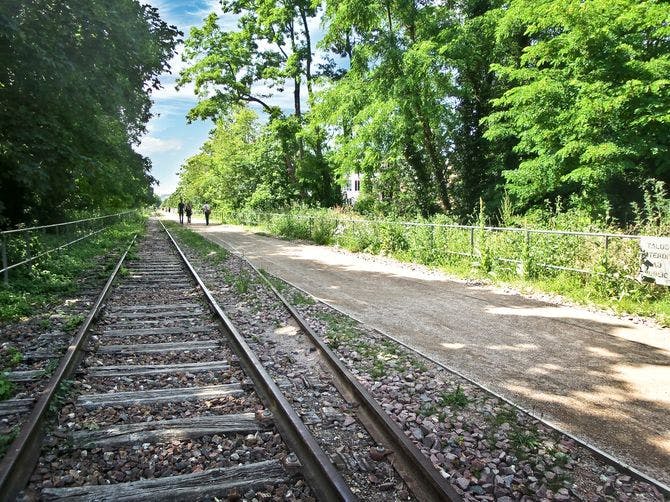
[
  {"x": 605, "y": 267},
  {"x": 58, "y": 274}
]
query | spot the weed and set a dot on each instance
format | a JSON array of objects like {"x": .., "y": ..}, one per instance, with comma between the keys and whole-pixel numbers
[
  {"x": 6, "y": 388},
  {"x": 60, "y": 396},
  {"x": 505, "y": 416},
  {"x": 90, "y": 425},
  {"x": 333, "y": 341},
  {"x": 561, "y": 459},
  {"x": 418, "y": 365},
  {"x": 10, "y": 357},
  {"x": 242, "y": 282},
  {"x": 428, "y": 409},
  {"x": 454, "y": 399},
  {"x": 524, "y": 439},
  {"x": 278, "y": 284},
  {"x": 73, "y": 322},
  {"x": 510, "y": 257},
  {"x": 378, "y": 370},
  {"x": 558, "y": 482},
  {"x": 51, "y": 366},
  {"x": 7, "y": 439},
  {"x": 300, "y": 299},
  {"x": 45, "y": 323},
  {"x": 53, "y": 277},
  {"x": 204, "y": 247}
]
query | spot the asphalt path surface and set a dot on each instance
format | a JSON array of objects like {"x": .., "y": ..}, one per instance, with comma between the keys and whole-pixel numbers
[{"x": 603, "y": 379}]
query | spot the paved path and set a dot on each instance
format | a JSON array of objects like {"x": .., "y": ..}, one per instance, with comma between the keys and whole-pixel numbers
[{"x": 598, "y": 377}]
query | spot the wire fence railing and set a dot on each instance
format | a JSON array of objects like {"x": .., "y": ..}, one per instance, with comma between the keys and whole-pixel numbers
[
  {"x": 525, "y": 251},
  {"x": 24, "y": 246}
]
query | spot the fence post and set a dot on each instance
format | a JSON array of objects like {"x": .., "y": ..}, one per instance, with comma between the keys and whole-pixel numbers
[
  {"x": 29, "y": 254},
  {"x": 472, "y": 242},
  {"x": 525, "y": 264},
  {"x": 606, "y": 260},
  {"x": 4, "y": 258}
]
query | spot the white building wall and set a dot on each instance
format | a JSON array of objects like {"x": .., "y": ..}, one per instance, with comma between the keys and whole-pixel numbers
[{"x": 353, "y": 187}]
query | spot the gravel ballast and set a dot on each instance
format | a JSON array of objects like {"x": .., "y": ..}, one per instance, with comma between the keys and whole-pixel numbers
[{"x": 486, "y": 447}]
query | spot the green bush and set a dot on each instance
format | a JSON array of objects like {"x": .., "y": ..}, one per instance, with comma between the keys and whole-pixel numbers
[
  {"x": 392, "y": 237},
  {"x": 323, "y": 228},
  {"x": 290, "y": 226},
  {"x": 359, "y": 237}
]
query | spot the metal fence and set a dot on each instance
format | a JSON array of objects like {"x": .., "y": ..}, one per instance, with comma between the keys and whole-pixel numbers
[
  {"x": 524, "y": 250},
  {"x": 22, "y": 246}
]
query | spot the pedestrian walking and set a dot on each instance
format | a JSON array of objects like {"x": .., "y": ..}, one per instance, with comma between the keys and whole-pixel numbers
[
  {"x": 206, "y": 209},
  {"x": 180, "y": 209},
  {"x": 189, "y": 212}
]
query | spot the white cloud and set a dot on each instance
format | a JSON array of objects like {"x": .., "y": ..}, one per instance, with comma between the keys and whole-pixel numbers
[
  {"x": 186, "y": 93},
  {"x": 209, "y": 7},
  {"x": 151, "y": 145}
]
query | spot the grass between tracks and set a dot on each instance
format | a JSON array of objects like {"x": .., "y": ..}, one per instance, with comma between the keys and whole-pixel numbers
[
  {"x": 242, "y": 281},
  {"x": 197, "y": 242}
]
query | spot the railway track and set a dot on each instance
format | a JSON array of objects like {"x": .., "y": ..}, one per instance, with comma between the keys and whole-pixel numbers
[
  {"x": 171, "y": 403},
  {"x": 484, "y": 445}
]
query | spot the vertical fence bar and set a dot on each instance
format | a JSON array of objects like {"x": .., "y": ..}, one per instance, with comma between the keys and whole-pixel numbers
[
  {"x": 525, "y": 265},
  {"x": 472, "y": 242},
  {"x": 29, "y": 254},
  {"x": 606, "y": 257},
  {"x": 4, "y": 258}
]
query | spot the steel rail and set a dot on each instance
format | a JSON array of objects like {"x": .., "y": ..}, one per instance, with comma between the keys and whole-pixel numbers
[
  {"x": 19, "y": 461},
  {"x": 603, "y": 455},
  {"x": 598, "y": 452},
  {"x": 418, "y": 472},
  {"x": 323, "y": 478}
]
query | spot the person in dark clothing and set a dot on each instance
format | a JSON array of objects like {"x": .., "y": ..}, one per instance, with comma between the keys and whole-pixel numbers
[
  {"x": 206, "y": 208},
  {"x": 180, "y": 210},
  {"x": 189, "y": 212}
]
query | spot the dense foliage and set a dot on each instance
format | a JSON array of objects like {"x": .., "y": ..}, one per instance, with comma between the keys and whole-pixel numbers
[
  {"x": 75, "y": 78},
  {"x": 589, "y": 100},
  {"x": 552, "y": 103}
]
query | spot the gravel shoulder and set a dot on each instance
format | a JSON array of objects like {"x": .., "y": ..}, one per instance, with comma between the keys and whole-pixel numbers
[{"x": 603, "y": 379}]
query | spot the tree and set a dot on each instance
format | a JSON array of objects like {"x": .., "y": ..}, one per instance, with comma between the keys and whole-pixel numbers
[
  {"x": 395, "y": 86},
  {"x": 470, "y": 47},
  {"x": 588, "y": 100},
  {"x": 237, "y": 167},
  {"x": 271, "y": 49},
  {"x": 74, "y": 97}
]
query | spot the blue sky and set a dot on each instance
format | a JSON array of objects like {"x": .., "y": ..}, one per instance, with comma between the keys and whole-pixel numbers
[{"x": 170, "y": 140}]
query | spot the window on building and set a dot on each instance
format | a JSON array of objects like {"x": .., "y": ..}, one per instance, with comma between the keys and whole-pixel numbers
[{"x": 357, "y": 185}]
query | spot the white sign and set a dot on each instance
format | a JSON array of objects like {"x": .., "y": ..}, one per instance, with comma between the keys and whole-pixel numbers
[{"x": 655, "y": 256}]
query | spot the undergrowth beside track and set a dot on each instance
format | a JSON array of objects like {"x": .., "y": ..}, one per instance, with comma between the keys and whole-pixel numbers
[
  {"x": 608, "y": 289},
  {"x": 59, "y": 274}
]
